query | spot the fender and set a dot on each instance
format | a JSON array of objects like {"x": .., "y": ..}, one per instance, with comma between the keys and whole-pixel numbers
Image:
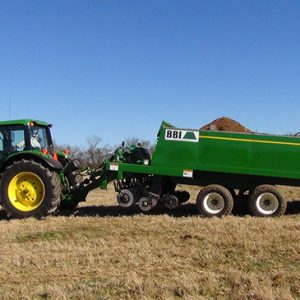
[{"x": 48, "y": 162}]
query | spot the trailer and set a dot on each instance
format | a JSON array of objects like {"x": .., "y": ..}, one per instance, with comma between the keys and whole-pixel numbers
[
  {"x": 36, "y": 179},
  {"x": 228, "y": 165}
]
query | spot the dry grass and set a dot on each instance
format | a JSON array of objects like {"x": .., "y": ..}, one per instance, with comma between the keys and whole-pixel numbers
[{"x": 102, "y": 254}]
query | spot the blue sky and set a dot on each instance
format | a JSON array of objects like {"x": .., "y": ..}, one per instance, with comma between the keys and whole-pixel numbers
[{"x": 116, "y": 69}]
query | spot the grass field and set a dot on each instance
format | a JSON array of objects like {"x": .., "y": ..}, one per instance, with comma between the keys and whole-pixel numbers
[{"x": 105, "y": 252}]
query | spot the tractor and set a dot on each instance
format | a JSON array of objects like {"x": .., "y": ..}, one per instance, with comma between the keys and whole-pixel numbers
[{"x": 34, "y": 178}]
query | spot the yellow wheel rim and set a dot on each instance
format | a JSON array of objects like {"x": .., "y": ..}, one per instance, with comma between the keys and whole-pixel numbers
[{"x": 26, "y": 191}]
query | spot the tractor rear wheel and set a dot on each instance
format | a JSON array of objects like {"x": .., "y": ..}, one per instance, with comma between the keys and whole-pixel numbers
[
  {"x": 214, "y": 200},
  {"x": 28, "y": 189}
]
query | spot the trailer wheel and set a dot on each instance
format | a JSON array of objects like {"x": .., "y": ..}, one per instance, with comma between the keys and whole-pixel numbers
[
  {"x": 29, "y": 189},
  {"x": 266, "y": 201},
  {"x": 126, "y": 198},
  {"x": 214, "y": 200},
  {"x": 171, "y": 202},
  {"x": 147, "y": 203}
]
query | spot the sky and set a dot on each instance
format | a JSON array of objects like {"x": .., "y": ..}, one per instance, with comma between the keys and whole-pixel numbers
[{"x": 117, "y": 68}]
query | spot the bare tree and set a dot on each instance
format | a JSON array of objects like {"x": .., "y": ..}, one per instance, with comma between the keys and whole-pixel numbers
[
  {"x": 95, "y": 154},
  {"x": 90, "y": 156}
]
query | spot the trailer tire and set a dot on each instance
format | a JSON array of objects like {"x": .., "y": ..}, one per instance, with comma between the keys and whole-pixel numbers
[
  {"x": 28, "y": 189},
  {"x": 147, "y": 203},
  {"x": 171, "y": 202},
  {"x": 126, "y": 198},
  {"x": 266, "y": 201},
  {"x": 214, "y": 200}
]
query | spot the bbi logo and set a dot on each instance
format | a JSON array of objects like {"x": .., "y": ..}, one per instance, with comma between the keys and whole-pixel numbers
[{"x": 181, "y": 135}]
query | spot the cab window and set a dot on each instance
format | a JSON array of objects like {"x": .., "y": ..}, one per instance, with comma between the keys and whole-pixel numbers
[{"x": 17, "y": 138}]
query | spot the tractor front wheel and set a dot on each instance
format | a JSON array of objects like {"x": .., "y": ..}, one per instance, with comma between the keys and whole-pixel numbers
[{"x": 28, "y": 189}]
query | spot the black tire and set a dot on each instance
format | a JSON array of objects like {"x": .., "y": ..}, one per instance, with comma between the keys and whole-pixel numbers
[
  {"x": 266, "y": 201},
  {"x": 214, "y": 200},
  {"x": 171, "y": 202},
  {"x": 74, "y": 178},
  {"x": 28, "y": 189}
]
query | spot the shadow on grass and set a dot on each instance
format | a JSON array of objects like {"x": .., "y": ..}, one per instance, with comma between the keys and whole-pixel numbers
[
  {"x": 117, "y": 211},
  {"x": 3, "y": 215},
  {"x": 293, "y": 208},
  {"x": 184, "y": 210}
]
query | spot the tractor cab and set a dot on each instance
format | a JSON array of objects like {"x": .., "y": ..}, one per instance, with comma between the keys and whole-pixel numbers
[{"x": 24, "y": 135}]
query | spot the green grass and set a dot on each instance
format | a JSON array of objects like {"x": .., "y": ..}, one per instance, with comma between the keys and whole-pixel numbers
[{"x": 41, "y": 236}]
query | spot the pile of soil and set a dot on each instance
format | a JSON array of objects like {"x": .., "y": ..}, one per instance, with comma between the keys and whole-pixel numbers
[{"x": 225, "y": 124}]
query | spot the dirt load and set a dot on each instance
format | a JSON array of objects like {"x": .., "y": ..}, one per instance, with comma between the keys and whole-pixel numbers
[{"x": 225, "y": 124}]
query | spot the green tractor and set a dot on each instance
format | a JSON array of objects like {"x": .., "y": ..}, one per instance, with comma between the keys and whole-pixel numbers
[{"x": 35, "y": 179}]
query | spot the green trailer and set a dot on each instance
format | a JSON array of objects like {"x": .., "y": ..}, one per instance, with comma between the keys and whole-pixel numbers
[{"x": 229, "y": 165}]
